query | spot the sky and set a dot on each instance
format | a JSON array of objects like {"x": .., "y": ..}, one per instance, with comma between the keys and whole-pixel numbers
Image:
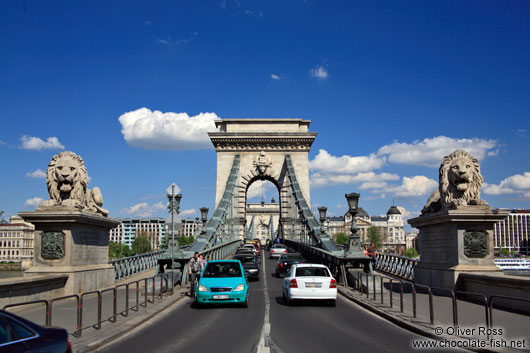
[{"x": 389, "y": 86}]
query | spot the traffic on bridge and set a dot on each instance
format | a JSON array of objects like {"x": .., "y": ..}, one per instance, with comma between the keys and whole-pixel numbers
[{"x": 269, "y": 324}]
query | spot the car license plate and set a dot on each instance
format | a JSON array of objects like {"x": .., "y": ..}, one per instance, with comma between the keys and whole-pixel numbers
[
  {"x": 313, "y": 285},
  {"x": 223, "y": 296}
]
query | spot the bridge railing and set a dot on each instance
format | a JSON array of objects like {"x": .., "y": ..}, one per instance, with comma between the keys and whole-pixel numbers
[
  {"x": 164, "y": 282},
  {"x": 398, "y": 266},
  {"x": 335, "y": 261},
  {"x": 131, "y": 265}
]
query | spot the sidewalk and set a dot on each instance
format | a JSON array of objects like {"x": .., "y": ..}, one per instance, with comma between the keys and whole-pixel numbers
[
  {"x": 64, "y": 312},
  {"x": 470, "y": 315}
]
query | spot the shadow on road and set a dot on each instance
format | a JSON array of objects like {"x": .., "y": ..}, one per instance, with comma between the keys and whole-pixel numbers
[{"x": 303, "y": 303}]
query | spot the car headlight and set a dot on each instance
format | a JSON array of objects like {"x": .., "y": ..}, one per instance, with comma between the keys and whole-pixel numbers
[
  {"x": 202, "y": 288},
  {"x": 239, "y": 288}
]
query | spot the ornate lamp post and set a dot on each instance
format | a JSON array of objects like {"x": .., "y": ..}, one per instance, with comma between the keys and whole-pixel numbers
[
  {"x": 353, "y": 249},
  {"x": 174, "y": 219},
  {"x": 204, "y": 218},
  {"x": 322, "y": 213}
]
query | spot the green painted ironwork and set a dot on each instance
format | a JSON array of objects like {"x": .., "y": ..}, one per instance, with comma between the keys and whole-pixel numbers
[{"x": 320, "y": 239}]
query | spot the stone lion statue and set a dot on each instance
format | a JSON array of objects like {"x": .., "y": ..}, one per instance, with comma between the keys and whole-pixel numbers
[
  {"x": 460, "y": 183},
  {"x": 67, "y": 182}
]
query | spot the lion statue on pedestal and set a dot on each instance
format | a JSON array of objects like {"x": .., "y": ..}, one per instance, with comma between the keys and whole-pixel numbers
[
  {"x": 67, "y": 182},
  {"x": 460, "y": 183}
]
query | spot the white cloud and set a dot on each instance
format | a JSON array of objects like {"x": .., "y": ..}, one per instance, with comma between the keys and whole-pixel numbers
[
  {"x": 275, "y": 77},
  {"x": 39, "y": 173},
  {"x": 187, "y": 213},
  {"x": 431, "y": 151},
  {"x": 319, "y": 72},
  {"x": 325, "y": 162},
  {"x": 143, "y": 209},
  {"x": 174, "y": 131},
  {"x": 331, "y": 170},
  {"x": 253, "y": 14},
  {"x": 418, "y": 185},
  {"x": 36, "y": 143},
  {"x": 34, "y": 202},
  {"x": 515, "y": 184},
  {"x": 407, "y": 214},
  {"x": 255, "y": 189},
  {"x": 320, "y": 180}
]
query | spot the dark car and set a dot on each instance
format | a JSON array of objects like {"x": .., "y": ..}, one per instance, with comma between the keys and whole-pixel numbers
[
  {"x": 246, "y": 251},
  {"x": 250, "y": 264},
  {"x": 20, "y": 335},
  {"x": 285, "y": 261}
]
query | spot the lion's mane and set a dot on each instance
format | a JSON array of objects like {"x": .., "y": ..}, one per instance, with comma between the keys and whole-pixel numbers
[
  {"x": 447, "y": 195},
  {"x": 80, "y": 182},
  {"x": 448, "y": 191}
]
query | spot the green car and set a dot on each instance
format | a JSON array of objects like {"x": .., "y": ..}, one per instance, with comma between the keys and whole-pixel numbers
[{"x": 222, "y": 281}]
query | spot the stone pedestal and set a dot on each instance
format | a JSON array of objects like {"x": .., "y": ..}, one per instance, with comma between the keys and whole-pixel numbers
[
  {"x": 73, "y": 243},
  {"x": 455, "y": 241}
]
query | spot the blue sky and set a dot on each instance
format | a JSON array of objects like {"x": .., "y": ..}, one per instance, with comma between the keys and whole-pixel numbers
[{"x": 390, "y": 87}]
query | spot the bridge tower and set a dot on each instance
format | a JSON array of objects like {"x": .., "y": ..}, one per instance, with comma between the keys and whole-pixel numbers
[{"x": 262, "y": 146}]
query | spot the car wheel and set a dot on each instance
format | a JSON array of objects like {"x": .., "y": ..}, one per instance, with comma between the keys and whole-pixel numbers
[{"x": 245, "y": 303}]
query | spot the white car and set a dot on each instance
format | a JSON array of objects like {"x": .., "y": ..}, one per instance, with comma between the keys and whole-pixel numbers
[
  {"x": 277, "y": 250},
  {"x": 310, "y": 281}
]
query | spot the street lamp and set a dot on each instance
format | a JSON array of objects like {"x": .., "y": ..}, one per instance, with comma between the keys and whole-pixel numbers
[
  {"x": 322, "y": 213},
  {"x": 353, "y": 249},
  {"x": 174, "y": 219},
  {"x": 204, "y": 218}
]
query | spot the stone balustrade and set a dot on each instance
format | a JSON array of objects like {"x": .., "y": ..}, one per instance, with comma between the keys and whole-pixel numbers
[{"x": 399, "y": 266}]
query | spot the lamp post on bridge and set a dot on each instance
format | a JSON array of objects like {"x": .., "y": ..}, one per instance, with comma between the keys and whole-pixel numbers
[
  {"x": 354, "y": 245},
  {"x": 322, "y": 213},
  {"x": 204, "y": 218},
  {"x": 174, "y": 219}
]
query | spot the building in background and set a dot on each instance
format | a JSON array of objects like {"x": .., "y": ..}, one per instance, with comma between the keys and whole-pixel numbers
[
  {"x": 262, "y": 220},
  {"x": 16, "y": 242},
  {"x": 411, "y": 240},
  {"x": 512, "y": 232},
  {"x": 129, "y": 228},
  {"x": 391, "y": 227}
]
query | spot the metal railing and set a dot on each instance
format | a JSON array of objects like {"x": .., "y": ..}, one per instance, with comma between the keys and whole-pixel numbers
[
  {"x": 165, "y": 289},
  {"x": 398, "y": 266},
  {"x": 131, "y": 265},
  {"x": 384, "y": 283}
]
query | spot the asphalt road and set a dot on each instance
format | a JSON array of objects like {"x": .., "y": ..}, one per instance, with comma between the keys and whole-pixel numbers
[{"x": 304, "y": 328}]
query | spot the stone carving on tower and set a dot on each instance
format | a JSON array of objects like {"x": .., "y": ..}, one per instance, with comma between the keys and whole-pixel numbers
[
  {"x": 460, "y": 183},
  {"x": 262, "y": 162},
  {"x": 67, "y": 182}
]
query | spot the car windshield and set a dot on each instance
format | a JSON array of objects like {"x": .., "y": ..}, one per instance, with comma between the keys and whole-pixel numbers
[
  {"x": 311, "y": 271},
  {"x": 279, "y": 247},
  {"x": 222, "y": 269},
  {"x": 246, "y": 259},
  {"x": 291, "y": 257}
]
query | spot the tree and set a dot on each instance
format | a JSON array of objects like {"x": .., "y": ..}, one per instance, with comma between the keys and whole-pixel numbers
[
  {"x": 411, "y": 252},
  {"x": 118, "y": 250},
  {"x": 164, "y": 243},
  {"x": 141, "y": 245},
  {"x": 374, "y": 237},
  {"x": 2, "y": 220},
  {"x": 341, "y": 238},
  {"x": 184, "y": 240}
]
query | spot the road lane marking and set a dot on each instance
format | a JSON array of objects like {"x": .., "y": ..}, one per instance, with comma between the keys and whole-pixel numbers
[{"x": 263, "y": 346}]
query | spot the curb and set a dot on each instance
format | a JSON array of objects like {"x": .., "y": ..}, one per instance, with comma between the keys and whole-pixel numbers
[
  {"x": 400, "y": 322},
  {"x": 129, "y": 325}
]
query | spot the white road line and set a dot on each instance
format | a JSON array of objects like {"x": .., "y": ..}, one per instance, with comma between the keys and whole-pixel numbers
[{"x": 264, "y": 344}]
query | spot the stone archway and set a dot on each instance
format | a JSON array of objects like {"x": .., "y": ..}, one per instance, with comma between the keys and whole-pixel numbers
[{"x": 262, "y": 145}]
